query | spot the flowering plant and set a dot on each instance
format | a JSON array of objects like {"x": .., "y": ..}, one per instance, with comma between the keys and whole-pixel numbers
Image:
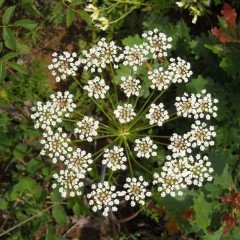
[{"x": 126, "y": 124}]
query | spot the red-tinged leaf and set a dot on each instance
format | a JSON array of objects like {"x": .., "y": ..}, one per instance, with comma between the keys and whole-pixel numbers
[
  {"x": 226, "y": 199},
  {"x": 230, "y": 15},
  {"x": 172, "y": 226},
  {"x": 220, "y": 34},
  {"x": 188, "y": 214},
  {"x": 229, "y": 221}
]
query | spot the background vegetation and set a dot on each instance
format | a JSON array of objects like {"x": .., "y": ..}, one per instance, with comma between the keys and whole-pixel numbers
[{"x": 30, "y": 32}]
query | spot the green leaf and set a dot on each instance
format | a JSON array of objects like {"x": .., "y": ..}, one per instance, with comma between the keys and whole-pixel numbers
[
  {"x": 1, "y": 46},
  {"x": 7, "y": 15},
  {"x": 2, "y": 71},
  {"x": 70, "y": 16},
  {"x": 1, "y": 2},
  {"x": 20, "y": 151},
  {"x": 57, "y": 8},
  {"x": 132, "y": 40},
  {"x": 9, "y": 38},
  {"x": 3, "y": 204},
  {"x": 26, "y": 23},
  {"x": 225, "y": 180},
  {"x": 85, "y": 17},
  {"x": 214, "y": 236},
  {"x": 9, "y": 56},
  {"x": 76, "y": 2},
  {"x": 203, "y": 211},
  {"x": 17, "y": 67},
  {"x": 197, "y": 84},
  {"x": 59, "y": 214}
]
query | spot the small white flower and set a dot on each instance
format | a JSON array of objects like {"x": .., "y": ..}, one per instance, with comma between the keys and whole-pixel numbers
[
  {"x": 125, "y": 113},
  {"x": 69, "y": 183},
  {"x": 99, "y": 56},
  {"x": 201, "y": 135},
  {"x": 135, "y": 56},
  {"x": 160, "y": 78},
  {"x": 64, "y": 65},
  {"x": 79, "y": 161},
  {"x": 157, "y": 114},
  {"x": 114, "y": 158},
  {"x": 199, "y": 171},
  {"x": 159, "y": 43},
  {"x": 104, "y": 197},
  {"x": 103, "y": 23},
  {"x": 180, "y": 70},
  {"x": 180, "y": 145},
  {"x": 136, "y": 190},
  {"x": 130, "y": 86},
  {"x": 169, "y": 183},
  {"x": 96, "y": 88},
  {"x": 45, "y": 115},
  {"x": 63, "y": 102},
  {"x": 145, "y": 147},
  {"x": 87, "y": 128}
]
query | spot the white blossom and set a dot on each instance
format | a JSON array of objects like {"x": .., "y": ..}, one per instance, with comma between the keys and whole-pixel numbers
[
  {"x": 145, "y": 147},
  {"x": 94, "y": 10},
  {"x": 63, "y": 102},
  {"x": 96, "y": 88},
  {"x": 157, "y": 114},
  {"x": 103, "y": 23},
  {"x": 114, "y": 158},
  {"x": 124, "y": 113},
  {"x": 45, "y": 115},
  {"x": 135, "y": 55},
  {"x": 200, "y": 170},
  {"x": 87, "y": 128},
  {"x": 99, "y": 56},
  {"x": 63, "y": 65},
  {"x": 104, "y": 197},
  {"x": 79, "y": 161},
  {"x": 136, "y": 190},
  {"x": 69, "y": 183},
  {"x": 201, "y": 135},
  {"x": 169, "y": 183},
  {"x": 180, "y": 145},
  {"x": 56, "y": 145},
  {"x": 180, "y": 70},
  {"x": 160, "y": 78},
  {"x": 159, "y": 43},
  {"x": 130, "y": 86}
]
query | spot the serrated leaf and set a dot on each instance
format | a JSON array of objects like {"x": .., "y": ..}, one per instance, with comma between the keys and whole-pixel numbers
[
  {"x": 57, "y": 8},
  {"x": 203, "y": 211},
  {"x": 26, "y": 23},
  {"x": 19, "y": 68},
  {"x": 85, "y": 17},
  {"x": 70, "y": 16},
  {"x": 9, "y": 39},
  {"x": 225, "y": 180},
  {"x": 2, "y": 71},
  {"x": 8, "y": 15},
  {"x": 197, "y": 84},
  {"x": 132, "y": 40},
  {"x": 59, "y": 214}
]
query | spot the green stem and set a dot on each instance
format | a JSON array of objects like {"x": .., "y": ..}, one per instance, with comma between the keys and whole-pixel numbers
[{"x": 128, "y": 157}]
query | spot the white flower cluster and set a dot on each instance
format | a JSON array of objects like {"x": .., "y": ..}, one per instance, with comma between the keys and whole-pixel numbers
[
  {"x": 50, "y": 114},
  {"x": 70, "y": 182},
  {"x": 201, "y": 135},
  {"x": 96, "y": 88},
  {"x": 145, "y": 147},
  {"x": 180, "y": 70},
  {"x": 87, "y": 128},
  {"x": 198, "y": 106},
  {"x": 99, "y": 56},
  {"x": 104, "y": 197},
  {"x": 64, "y": 65},
  {"x": 136, "y": 191},
  {"x": 135, "y": 55},
  {"x": 124, "y": 113},
  {"x": 79, "y": 161},
  {"x": 114, "y": 158},
  {"x": 178, "y": 173},
  {"x": 130, "y": 86},
  {"x": 159, "y": 43},
  {"x": 160, "y": 78},
  {"x": 157, "y": 114},
  {"x": 56, "y": 145}
]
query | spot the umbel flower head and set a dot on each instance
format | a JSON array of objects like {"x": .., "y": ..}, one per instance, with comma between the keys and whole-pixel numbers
[{"x": 107, "y": 134}]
